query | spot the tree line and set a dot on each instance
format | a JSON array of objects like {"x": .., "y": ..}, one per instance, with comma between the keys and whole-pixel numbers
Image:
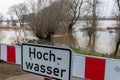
[{"x": 61, "y": 14}]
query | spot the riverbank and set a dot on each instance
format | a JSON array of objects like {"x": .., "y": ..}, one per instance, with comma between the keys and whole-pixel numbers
[{"x": 13, "y": 28}]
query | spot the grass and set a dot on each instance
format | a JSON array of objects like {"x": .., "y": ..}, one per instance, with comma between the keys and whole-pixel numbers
[
  {"x": 82, "y": 52},
  {"x": 40, "y": 41},
  {"x": 78, "y": 51}
]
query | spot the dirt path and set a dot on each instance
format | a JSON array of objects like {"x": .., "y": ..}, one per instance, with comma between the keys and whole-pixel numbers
[
  {"x": 31, "y": 77},
  {"x": 26, "y": 77},
  {"x": 14, "y": 72},
  {"x": 8, "y": 70}
]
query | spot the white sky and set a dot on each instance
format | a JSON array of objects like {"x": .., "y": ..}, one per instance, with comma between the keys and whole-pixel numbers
[
  {"x": 106, "y": 9},
  {"x": 5, "y": 4}
]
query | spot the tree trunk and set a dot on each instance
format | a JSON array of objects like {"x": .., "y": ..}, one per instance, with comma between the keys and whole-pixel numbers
[
  {"x": 93, "y": 41},
  {"x": 117, "y": 47},
  {"x": 70, "y": 29},
  {"x": 39, "y": 36},
  {"x": 89, "y": 43},
  {"x": 118, "y": 4},
  {"x": 49, "y": 37}
]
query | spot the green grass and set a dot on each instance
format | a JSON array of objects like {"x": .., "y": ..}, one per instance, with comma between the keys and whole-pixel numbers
[
  {"x": 78, "y": 51},
  {"x": 83, "y": 52},
  {"x": 40, "y": 41}
]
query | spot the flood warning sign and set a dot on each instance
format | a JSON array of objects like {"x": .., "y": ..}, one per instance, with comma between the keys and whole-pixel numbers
[{"x": 47, "y": 61}]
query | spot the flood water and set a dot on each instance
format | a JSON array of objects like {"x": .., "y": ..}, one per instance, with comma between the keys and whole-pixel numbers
[
  {"x": 105, "y": 41},
  {"x": 10, "y": 36}
]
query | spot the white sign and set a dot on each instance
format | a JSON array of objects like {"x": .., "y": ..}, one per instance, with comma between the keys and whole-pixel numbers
[{"x": 48, "y": 61}]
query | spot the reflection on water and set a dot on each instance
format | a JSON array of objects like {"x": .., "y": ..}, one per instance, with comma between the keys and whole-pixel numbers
[
  {"x": 105, "y": 42},
  {"x": 1, "y": 36}
]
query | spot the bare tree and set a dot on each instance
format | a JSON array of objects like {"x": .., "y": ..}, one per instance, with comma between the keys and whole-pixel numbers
[
  {"x": 94, "y": 23},
  {"x": 45, "y": 22},
  {"x": 61, "y": 13},
  {"x": 1, "y": 18},
  {"x": 117, "y": 29},
  {"x": 34, "y": 18},
  {"x": 118, "y": 4},
  {"x": 91, "y": 23},
  {"x": 8, "y": 21},
  {"x": 74, "y": 10},
  {"x": 13, "y": 21},
  {"x": 117, "y": 41},
  {"x": 20, "y": 11}
]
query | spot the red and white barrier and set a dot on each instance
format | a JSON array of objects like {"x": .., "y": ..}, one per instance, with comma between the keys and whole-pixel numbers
[
  {"x": 112, "y": 69},
  {"x": 91, "y": 68},
  {"x": 3, "y": 52},
  {"x": 95, "y": 68},
  {"x": 10, "y": 53},
  {"x": 47, "y": 79},
  {"x": 88, "y": 67}
]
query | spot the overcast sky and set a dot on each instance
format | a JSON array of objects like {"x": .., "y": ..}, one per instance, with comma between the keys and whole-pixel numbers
[
  {"x": 107, "y": 7},
  {"x": 5, "y": 4}
]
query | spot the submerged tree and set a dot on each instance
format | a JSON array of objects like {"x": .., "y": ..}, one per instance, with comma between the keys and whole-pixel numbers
[
  {"x": 91, "y": 23},
  {"x": 20, "y": 11},
  {"x": 117, "y": 29},
  {"x": 118, "y": 4},
  {"x": 61, "y": 13},
  {"x": 1, "y": 18},
  {"x": 74, "y": 9}
]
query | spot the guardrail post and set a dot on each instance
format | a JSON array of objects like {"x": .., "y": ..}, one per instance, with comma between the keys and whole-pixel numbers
[{"x": 47, "y": 79}]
